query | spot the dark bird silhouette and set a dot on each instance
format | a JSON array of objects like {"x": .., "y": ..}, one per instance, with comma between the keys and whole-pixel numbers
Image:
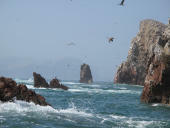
[
  {"x": 111, "y": 39},
  {"x": 71, "y": 44},
  {"x": 122, "y": 3}
]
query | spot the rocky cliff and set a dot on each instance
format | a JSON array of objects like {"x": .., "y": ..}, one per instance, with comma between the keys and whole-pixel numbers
[
  {"x": 85, "y": 74},
  {"x": 9, "y": 91},
  {"x": 157, "y": 81},
  {"x": 148, "y": 62},
  {"x": 134, "y": 69}
]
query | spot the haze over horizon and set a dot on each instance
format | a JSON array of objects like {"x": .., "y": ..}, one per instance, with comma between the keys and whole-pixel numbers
[{"x": 34, "y": 35}]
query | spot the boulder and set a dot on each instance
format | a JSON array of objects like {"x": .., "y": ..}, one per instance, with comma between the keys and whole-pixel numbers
[
  {"x": 85, "y": 74},
  {"x": 9, "y": 90},
  {"x": 39, "y": 81},
  {"x": 54, "y": 83}
]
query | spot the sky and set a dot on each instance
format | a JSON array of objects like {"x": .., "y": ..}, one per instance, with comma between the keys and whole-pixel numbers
[{"x": 34, "y": 35}]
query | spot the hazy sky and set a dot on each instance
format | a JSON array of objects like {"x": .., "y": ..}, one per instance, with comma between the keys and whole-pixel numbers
[{"x": 36, "y": 32}]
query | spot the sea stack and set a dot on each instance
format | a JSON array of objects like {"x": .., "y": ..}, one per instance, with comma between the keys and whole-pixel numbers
[
  {"x": 54, "y": 83},
  {"x": 9, "y": 91},
  {"x": 39, "y": 81},
  {"x": 85, "y": 74}
]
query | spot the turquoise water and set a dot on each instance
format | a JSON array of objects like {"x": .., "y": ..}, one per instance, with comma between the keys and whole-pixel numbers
[{"x": 99, "y": 105}]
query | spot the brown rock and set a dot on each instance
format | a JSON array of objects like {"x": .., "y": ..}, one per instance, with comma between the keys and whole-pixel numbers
[
  {"x": 54, "y": 83},
  {"x": 39, "y": 81},
  {"x": 9, "y": 90},
  {"x": 85, "y": 74},
  {"x": 134, "y": 70}
]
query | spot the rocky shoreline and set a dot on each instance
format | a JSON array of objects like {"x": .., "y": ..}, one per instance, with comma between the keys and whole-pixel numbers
[{"x": 9, "y": 91}]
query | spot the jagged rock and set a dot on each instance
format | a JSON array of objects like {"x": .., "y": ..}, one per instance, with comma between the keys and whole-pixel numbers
[
  {"x": 157, "y": 81},
  {"x": 85, "y": 74},
  {"x": 134, "y": 70},
  {"x": 54, "y": 83},
  {"x": 9, "y": 90},
  {"x": 39, "y": 81}
]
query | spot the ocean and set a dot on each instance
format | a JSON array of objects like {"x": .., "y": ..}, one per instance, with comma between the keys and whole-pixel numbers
[{"x": 97, "y": 105}]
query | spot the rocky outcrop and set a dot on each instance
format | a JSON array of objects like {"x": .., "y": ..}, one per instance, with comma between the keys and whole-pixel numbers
[
  {"x": 9, "y": 90},
  {"x": 39, "y": 81},
  {"x": 85, "y": 74},
  {"x": 157, "y": 81},
  {"x": 134, "y": 70},
  {"x": 54, "y": 83}
]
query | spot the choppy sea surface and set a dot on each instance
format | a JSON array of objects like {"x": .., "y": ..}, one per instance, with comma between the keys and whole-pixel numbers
[{"x": 98, "y": 105}]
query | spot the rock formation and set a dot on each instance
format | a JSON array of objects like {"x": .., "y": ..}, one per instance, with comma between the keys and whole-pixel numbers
[
  {"x": 85, "y": 74},
  {"x": 54, "y": 83},
  {"x": 9, "y": 90},
  {"x": 134, "y": 70},
  {"x": 157, "y": 81},
  {"x": 148, "y": 62},
  {"x": 39, "y": 81}
]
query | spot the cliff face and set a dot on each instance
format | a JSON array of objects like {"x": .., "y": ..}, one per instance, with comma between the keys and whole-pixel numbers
[
  {"x": 85, "y": 74},
  {"x": 134, "y": 70},
  {"x": 157, "y": 81}
]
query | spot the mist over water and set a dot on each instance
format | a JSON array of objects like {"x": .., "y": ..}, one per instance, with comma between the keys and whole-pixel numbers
[{"x": 99, "y": 105}]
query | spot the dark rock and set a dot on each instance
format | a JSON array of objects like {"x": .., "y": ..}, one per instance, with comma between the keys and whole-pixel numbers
[
  {"x": 85, "y": 74},
  {"x": 10, "y": 90},
  {"x": 39, "y": 81},
  {"x": 54, "y": 83}
]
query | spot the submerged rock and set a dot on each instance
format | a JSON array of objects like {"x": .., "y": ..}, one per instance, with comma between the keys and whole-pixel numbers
[
  {"x": 9, "y": 90},
  {"x": 39, "y": 81},
  {"x": 85, "y": 74},
  {"x": 54, "y": 83}
]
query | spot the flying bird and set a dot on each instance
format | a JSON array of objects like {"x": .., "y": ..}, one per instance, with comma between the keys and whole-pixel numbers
[
  {"x": 122, "y": 3},
  {"x": 111, "y": 39},
  {"x": 71, "y": 44}
]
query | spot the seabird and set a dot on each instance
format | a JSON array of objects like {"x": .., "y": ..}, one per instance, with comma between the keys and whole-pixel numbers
[
  {"x": 71, "y": 44},
  {"x": 122, "y": 3},
  {"x": 111, "y": 39}
]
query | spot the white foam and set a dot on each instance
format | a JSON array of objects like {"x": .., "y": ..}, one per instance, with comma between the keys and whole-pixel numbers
[
  {"x": 71, "y": 83},
  {"x": 103, "y": 91},
  {"x": 22, "y": 107},
  {"x": 29, "y": 81},
  {"x": 139, "y": 124},
  {"x": 118, "y": 117}
]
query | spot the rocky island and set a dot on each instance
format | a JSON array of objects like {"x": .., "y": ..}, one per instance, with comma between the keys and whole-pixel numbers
[
  {"x": 148, "y": 62},
  {"x": 40, "y": 81},
  {"x": 85, "y": 74},
  {"x": 9, "y": 91}
]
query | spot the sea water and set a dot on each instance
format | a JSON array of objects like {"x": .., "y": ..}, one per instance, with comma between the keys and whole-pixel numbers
[{"x": 97, "y": 105}]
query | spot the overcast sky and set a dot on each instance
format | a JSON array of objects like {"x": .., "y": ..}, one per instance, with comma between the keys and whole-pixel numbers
[{"x": 36, "y": 33}]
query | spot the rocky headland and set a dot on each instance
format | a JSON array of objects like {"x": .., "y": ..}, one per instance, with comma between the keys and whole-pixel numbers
[
  {"x": 148, "y": 62},
  {"x": 85, "y": 74},
  {"x": 9, "y": 91},
  {"x": 40, "y": 81}
]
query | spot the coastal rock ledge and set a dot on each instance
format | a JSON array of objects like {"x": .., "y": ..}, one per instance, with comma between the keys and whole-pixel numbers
[
  {"x": 148, "y": 62},
  {"x": 85, "y": 74},
  {"x": 9, "y": 91}
]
